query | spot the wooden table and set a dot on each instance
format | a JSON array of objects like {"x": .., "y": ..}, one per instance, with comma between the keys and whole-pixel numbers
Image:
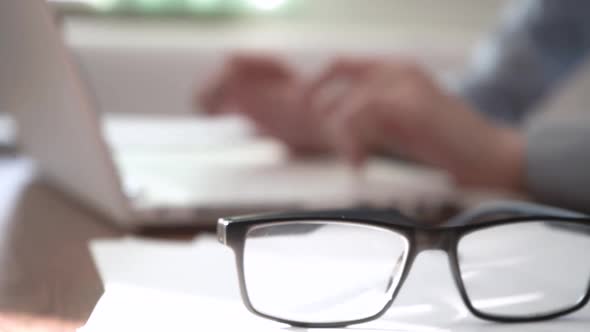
[
  {"x": 29, "y": 323},
  {"x": 46, "y": 271}
]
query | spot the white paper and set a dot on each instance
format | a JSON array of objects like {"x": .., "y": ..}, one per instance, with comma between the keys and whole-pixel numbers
[
  {"x": 202, "y": 267},
  {"x": 192, "y": 286}
]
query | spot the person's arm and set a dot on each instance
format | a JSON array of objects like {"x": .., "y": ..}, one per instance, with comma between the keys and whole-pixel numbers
[
  {"x": 540, "y": 44},
  {"x": 537, "y": 45},
  {"x": 359, "y": 107}
]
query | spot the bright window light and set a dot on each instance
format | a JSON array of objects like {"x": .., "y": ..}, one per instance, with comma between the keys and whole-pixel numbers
[
  {"x": 100, "y": 4},
  {"x": 151, "y": 4},
  {"x": 266, "y": 5},
  {"x": 232, "y": 6},
  {"x": 203, "y": 4}
]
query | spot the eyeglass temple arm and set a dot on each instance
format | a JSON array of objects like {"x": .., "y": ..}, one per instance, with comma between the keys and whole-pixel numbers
[{"x": 512, "y": 208}]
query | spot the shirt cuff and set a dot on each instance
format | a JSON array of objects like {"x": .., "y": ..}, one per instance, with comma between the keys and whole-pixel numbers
[{"x": 558, "y": 161}]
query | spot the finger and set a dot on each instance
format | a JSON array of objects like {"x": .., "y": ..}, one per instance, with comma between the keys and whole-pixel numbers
[
  {"x": 243, "y": 75},
  {"x": 267, "y": 105},
  {"x": 345, "y": 127},
  {"x": 399, "y": 72},
  {"x": 335, "y": 91},
  {"x": 213, "y": 97},
  {"x": 335, "y": 81},
  {"x": 260, "y": 66},
  {"x": 367, "y": 123},
  {"x": 380, "y": 112},
  {"x": 341, "y": 68}
]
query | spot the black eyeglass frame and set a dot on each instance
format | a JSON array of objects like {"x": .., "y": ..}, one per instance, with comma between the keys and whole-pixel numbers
[{"x": 232, "y": 232}]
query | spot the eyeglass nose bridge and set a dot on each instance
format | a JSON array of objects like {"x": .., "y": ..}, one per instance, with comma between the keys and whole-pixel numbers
[{"x": 434, "y": 239}]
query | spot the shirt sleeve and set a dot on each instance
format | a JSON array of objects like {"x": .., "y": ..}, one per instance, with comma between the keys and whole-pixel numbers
[
  {"x": 538, "y": 44},
  {"x": 558, "y": 161}
]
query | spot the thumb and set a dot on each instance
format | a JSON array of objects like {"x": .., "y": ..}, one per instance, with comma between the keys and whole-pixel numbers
[{"x": 346, "y": 135}]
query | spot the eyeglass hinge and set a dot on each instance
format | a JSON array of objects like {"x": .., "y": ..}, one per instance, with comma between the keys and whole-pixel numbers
[{"x": 221, "y": 230}]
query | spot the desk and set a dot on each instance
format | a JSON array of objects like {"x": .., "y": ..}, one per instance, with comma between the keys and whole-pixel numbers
[
  {"x": 45, "y": 267},
  {"x": 28, "y": 323},
  {"x": 48, "y": 281}
]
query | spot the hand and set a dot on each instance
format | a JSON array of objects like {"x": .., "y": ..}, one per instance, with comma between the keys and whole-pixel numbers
[
  {"x": 369, "y": 106},
  {"x": 269, "y": 93}
]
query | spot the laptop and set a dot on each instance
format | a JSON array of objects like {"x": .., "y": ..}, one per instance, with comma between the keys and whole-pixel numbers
[{"x": 226, "y": 171}]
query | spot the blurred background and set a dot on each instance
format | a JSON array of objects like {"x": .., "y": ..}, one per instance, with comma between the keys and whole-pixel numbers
[{"x": 149, "y": 56}]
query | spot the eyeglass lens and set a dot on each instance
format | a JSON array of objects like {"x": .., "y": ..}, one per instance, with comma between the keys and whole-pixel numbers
[
  {"x": 525, "y": 269},
  {"x": 322, "y": 271}
]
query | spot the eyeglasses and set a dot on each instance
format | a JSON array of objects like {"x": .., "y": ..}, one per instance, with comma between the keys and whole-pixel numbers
[{"x": 516, "y": 263}]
